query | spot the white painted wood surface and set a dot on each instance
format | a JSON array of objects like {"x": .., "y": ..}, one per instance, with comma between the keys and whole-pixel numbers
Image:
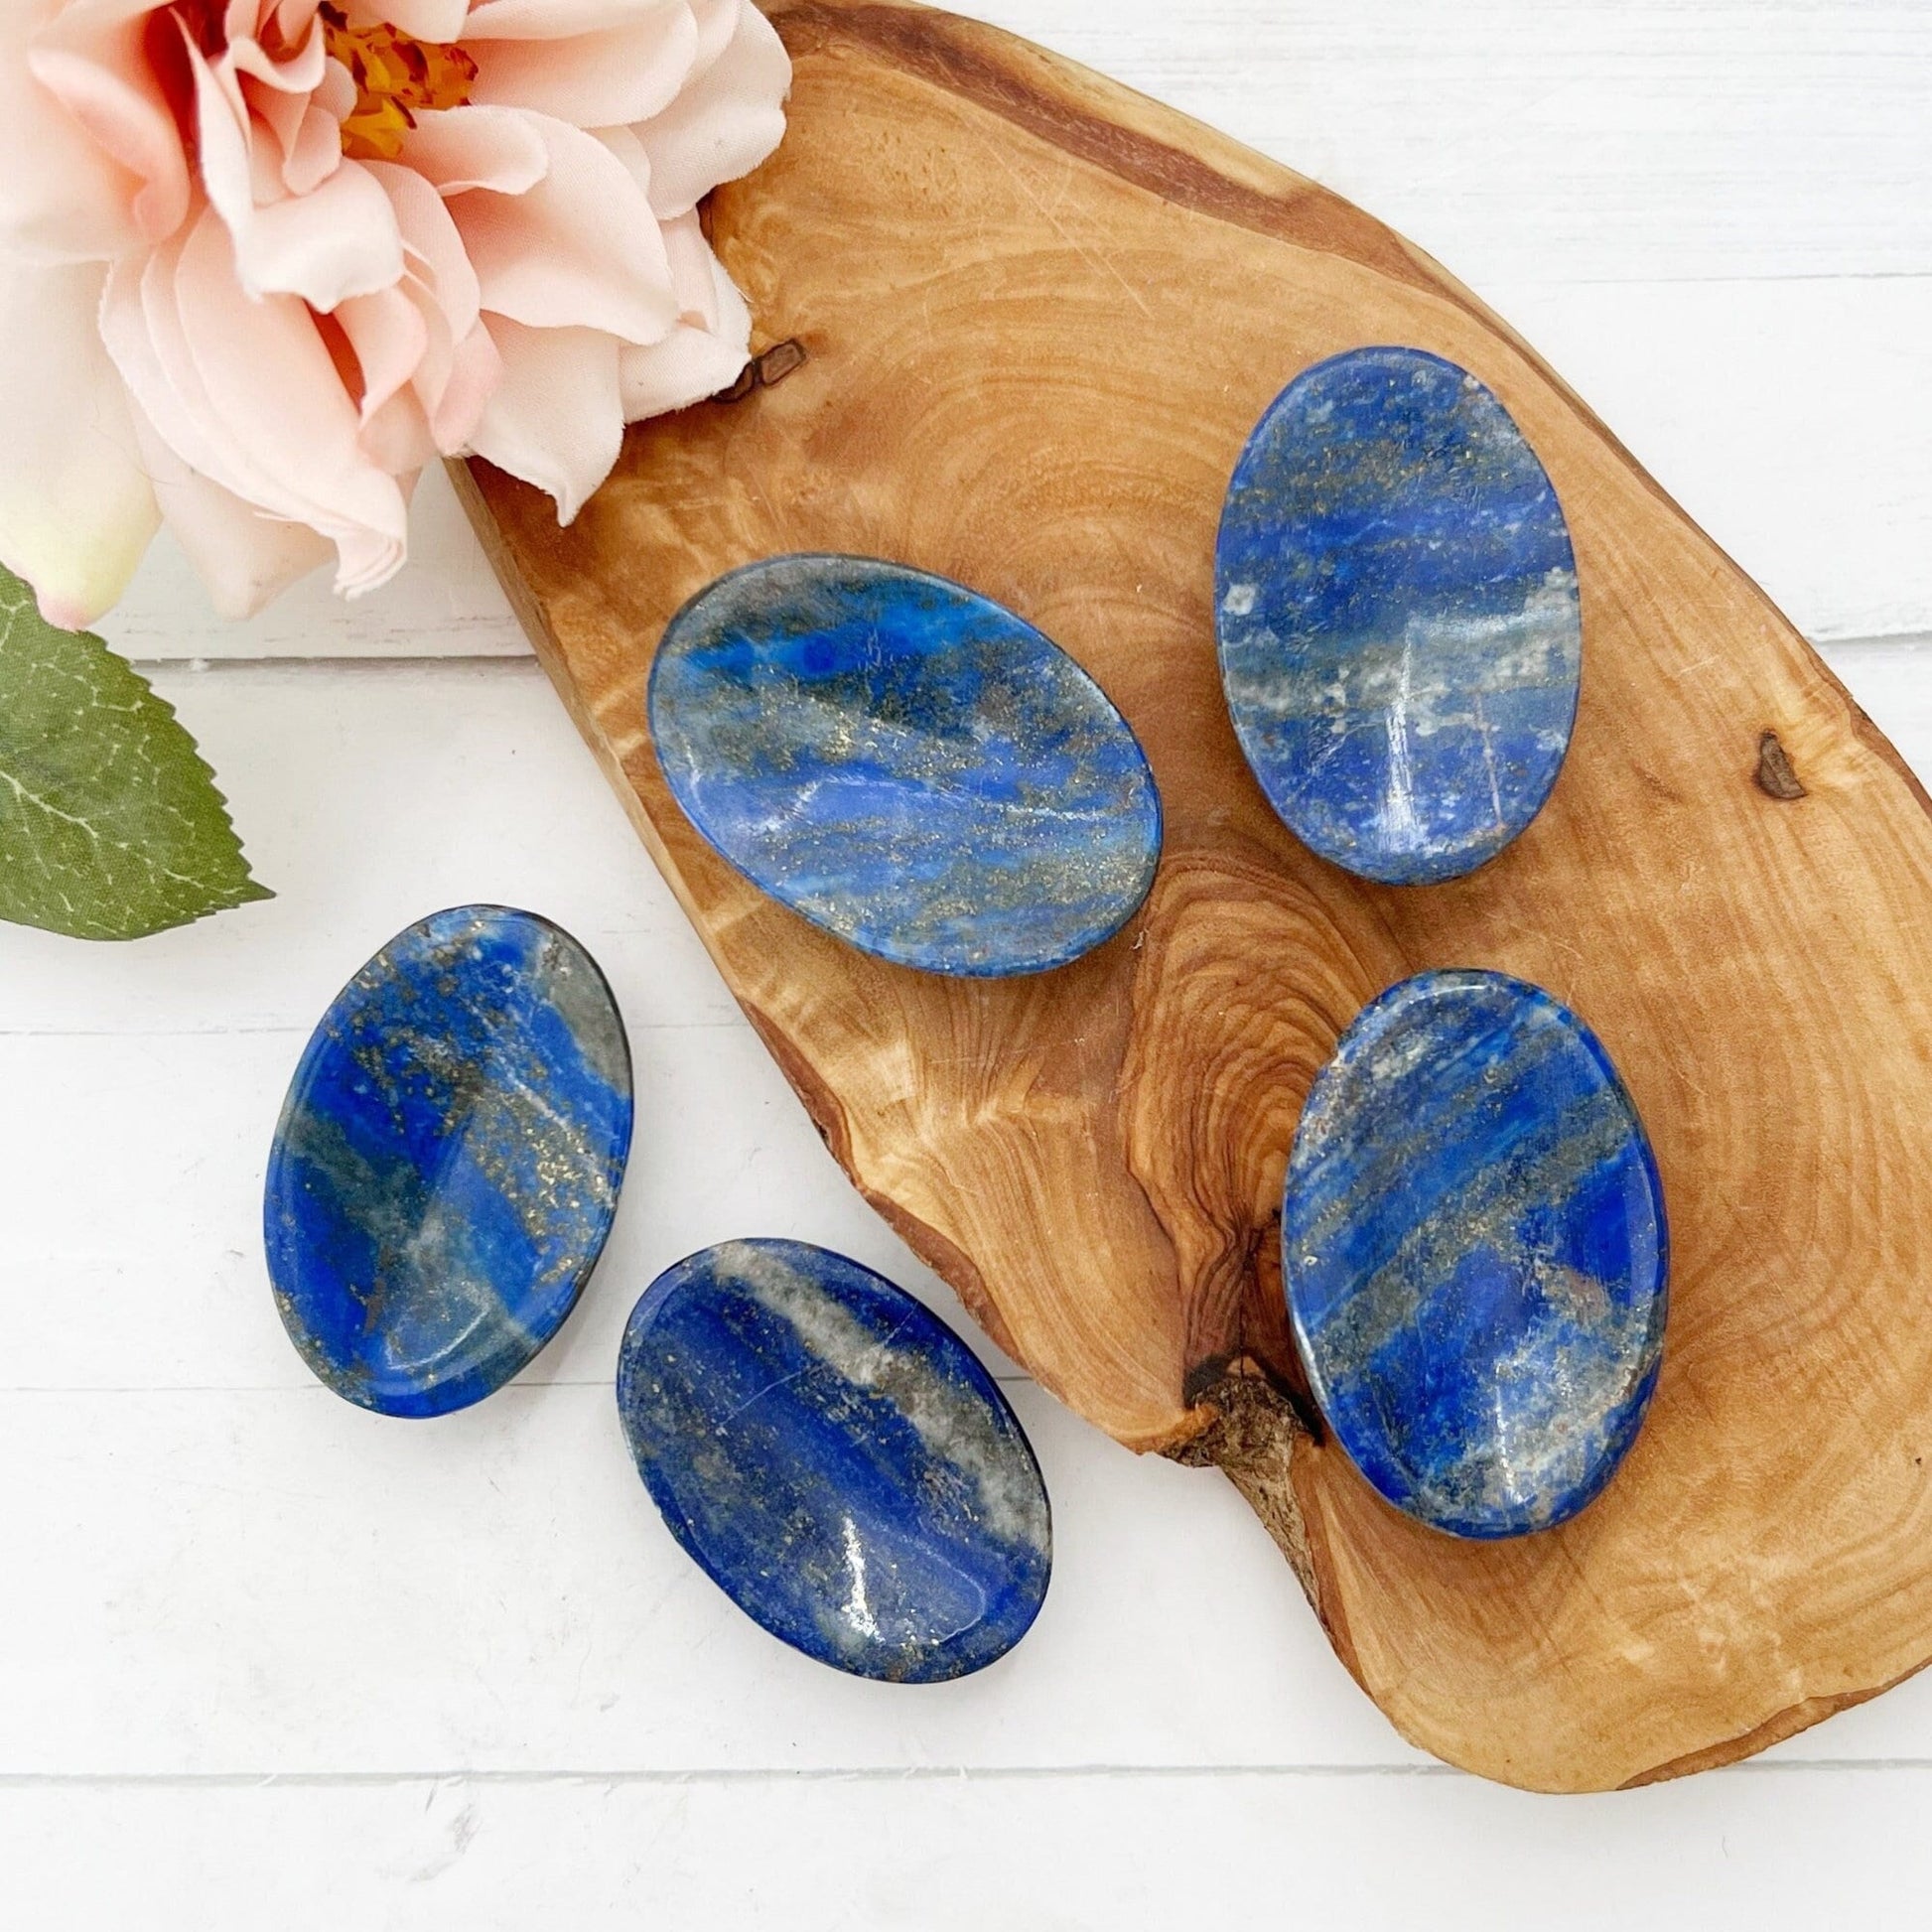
[{"x": 267, "y": 1661}]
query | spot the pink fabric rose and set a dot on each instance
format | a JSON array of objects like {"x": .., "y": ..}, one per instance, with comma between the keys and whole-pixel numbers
[{"x": 264, "y": 261}]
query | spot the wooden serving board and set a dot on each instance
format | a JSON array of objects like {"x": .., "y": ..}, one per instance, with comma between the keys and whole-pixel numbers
[{"x": 1038, "y": 317}]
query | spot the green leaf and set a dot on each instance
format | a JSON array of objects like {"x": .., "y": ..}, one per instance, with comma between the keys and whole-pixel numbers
[{"x": 110, "y": 825}]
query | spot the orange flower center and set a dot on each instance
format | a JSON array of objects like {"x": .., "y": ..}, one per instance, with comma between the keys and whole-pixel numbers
[{"x": 396, "y": 78}]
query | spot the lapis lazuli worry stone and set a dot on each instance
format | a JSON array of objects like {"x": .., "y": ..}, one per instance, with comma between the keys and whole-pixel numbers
[
  {"x": 836, "y": 1459},
  {"x": 448, "y": 1161},
  {"x": 904, "y": 763},
  {"x": 1396, "y": 599},
  {"x": 1474, "y": 1250}
]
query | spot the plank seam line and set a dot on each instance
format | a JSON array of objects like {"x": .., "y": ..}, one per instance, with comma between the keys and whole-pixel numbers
[
  {"x": 749, "y": 1775},
  {"x": 850, "y": 1774},
  {"x": 524, "y": 663},
  {"x": 1008, "y": 1378},
  {"x": 200, "y": 664},
  {"x": 733, "y": 1022},
  {"x": 1769, "y": 278}
]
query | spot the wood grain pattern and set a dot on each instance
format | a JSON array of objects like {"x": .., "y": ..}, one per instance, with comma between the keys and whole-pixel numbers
[{"x": 1040, "y": 315}]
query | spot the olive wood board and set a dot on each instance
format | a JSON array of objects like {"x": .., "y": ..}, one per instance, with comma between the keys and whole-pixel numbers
[{"x": 1014, "y": 326}]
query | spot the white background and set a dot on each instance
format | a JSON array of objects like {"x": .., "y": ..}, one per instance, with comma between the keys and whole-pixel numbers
[{"x": 268, "y": 1662}]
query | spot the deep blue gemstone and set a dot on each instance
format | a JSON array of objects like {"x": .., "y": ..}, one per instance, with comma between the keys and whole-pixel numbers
[
  {"x": 906, "y": 764},
  {"x": 1396, "y": 599},
  {"x": 448, "y": 1161},
  {"x": 836, "y": 1459},
  {"x": 1474, "y": 1251}
]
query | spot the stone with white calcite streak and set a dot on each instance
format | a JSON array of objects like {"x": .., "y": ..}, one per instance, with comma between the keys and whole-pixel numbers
[
  {"x": 1400, "y": 632},
  {"x": 906, "y": 763},
  {"x": 1476, "y": 1254},
  {"x": 836, "y": 1459}
]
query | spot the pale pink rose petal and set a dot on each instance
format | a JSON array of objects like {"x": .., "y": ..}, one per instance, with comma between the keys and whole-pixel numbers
[
  {"x": 76, "y": 508},
  {"x": 690, "y": 363},
  {"x": 459, "y": 366},
  {"x": 397, "y": 438},
  {"x": 141, "y": 330},
  {"x": 122, "y": 108},
  {"x": 72, "y": 20},
  {"x": 717, "y": 22},
  {"x": 281, "y": 113},
  {"x": 439, "y": 21},
  {"x": 298, "y": 72},
  {"x": 694, "y": 271},
  {"x": 466, "y": 148},
  {"x": 401, "y": 344},
  {"x": 247, "y": 393},
  {"x": 390, "y": 337},
  {"x": 538, "y": 20},
  {"x": 580, "y": 249},
  {"x": 476, "y": 373},
  {"x": 623, "y": 143},
  {"x": 725, "y": 122},
  {"x": 334, "y": 96},
  {"x": 291, "y": 17},
  {"x": 316, "y": 153},
  {"x": 430, "y": 234},
  {"x": 556, "y": 419},
  {"x": 243, "y": 558},
  {"x": 66, "y": 198},
  {"x": 624, "y": 73},
  {"x": 292, "y": 332},
  {"x": 309, "y": 136},
  {"x": 339, "y": 241},
  {"x": 271, "y": 383},
  {"x": 141, "y": 327}
]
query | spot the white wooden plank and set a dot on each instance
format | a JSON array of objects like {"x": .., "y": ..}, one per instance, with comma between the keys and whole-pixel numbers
[
  {"x": 165, "y": 1139},
  {"x": 1599, "y": 140},
  {"x": 267, "y": 1582},
  {"x": 1793, "y": 421},
  {"x": 260, "y": 1582},
  {"x": 1736, "y": 1852},
  {"x": 444, "y": 604},
  {"x": 367, "y": 797}
]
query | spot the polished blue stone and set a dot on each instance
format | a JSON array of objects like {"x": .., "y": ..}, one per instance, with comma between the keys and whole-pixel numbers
[
  {"x": 836, "y": 1459},
  {"x": 906, "y": 764},
  {"x": 448, "y": 1161},
  {"x": 1474, "y": 1251},
  {"x": 1396, "y": 599}
]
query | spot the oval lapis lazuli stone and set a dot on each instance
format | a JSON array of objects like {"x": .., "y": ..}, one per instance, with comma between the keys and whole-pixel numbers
[
  {"x": 836, "y": 1459},
  {"x": 904, "y": 763},
  {"x": 1396, "y": 601},
  {"x": 448, "y": 1161},
  {"x": 1474, "y": 1252}
]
